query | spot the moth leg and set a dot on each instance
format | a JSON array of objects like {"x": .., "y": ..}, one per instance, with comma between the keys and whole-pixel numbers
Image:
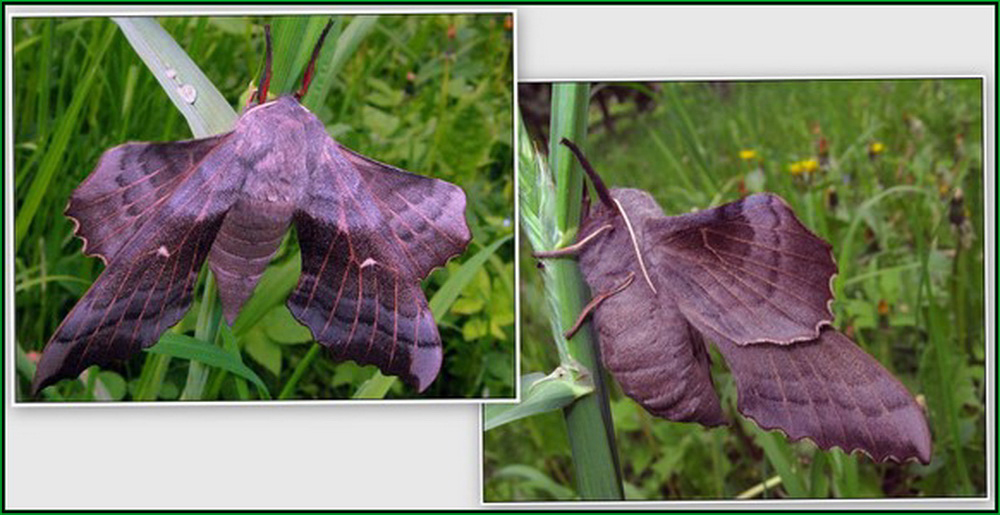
[
  {"x": 573, "y": 249},
  {"x": 596, "y": 301}
]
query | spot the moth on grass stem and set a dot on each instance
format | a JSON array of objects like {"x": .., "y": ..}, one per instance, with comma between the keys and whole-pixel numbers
[
  {"x": 368, "y": 233},
  {"x": 750, "y": 277}
]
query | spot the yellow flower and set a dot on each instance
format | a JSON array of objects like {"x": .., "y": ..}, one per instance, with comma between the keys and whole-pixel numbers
[
  {"x": 804, "y": 166},
  {"x": 748, "y": 154},
  {"x": 876, "y": 148}
]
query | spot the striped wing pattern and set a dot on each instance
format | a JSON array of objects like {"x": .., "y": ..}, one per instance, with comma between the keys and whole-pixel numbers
[
  {"x": 368, "y": 234},
  {"x": 152, "y": 265},
  {"x": 748, "y": 269},
  {"x": 830, "y": 391},
  {"x": 128, "y": 185}
]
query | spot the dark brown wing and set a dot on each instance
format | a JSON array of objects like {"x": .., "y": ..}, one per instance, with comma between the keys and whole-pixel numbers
[
  {"x": 426, "y": 216},
  {"x": 748, "y": 270},
  {"x": 359, "y": 292},
  {"x": 151, "y": 272},
  {"x": 130, "y": 181},
  {"x": 646, "y": 344},
  {"x": 831, "y": 391}
]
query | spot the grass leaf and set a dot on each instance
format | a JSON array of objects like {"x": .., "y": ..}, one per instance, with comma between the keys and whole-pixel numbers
[
  {"x": 185, "y": 347},
  {"x": 56, "y": 150},
  {"x": 541, "y": 394},
  {"x": 333, "y": 57},
  {"x": 206, "y": 111},
  {"x": 441, "y": 302}
]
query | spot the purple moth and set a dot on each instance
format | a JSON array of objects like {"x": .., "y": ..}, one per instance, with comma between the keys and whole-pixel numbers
[
  {"x": 750, "y": 277},
  {"x": 368, "y": 233}
]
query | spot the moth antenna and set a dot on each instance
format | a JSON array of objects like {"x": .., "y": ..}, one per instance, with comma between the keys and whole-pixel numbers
[
  {"x": 596, "y": 301},
  {"x": 602, "y": 191},
  {"x": 635, "y": 245},
  {"x": 265, "y": 77},
  {"x": 307, "y": 77},
  {"x": 573, "y": 249},
  {"x": 584, "y": 201}
]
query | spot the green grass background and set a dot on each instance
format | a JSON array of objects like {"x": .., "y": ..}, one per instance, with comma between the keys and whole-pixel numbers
[
  {"x": 428, "y": 93},
  {"x": 901, "y": 237}
]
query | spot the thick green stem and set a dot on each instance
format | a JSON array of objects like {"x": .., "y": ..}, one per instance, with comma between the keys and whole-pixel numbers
[
  {"x": 588, "y": 420},
  {"x": 206, "y": 329}
]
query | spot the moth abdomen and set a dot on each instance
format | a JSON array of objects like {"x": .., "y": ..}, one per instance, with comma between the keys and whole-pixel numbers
[{"x": 249, "y": 237}]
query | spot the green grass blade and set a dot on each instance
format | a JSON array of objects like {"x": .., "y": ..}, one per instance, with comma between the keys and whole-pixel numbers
[
  {"x": 206, "y": 330},
  {"x": 541, "y": 394},
  {"x": 685, "y": 126},
  {"x": 333, "y": 57},
  {"x": 185, "y": 347},
  {"x": 39, "y": 281},
  {"x": 44, "y": 81},
  {"x": 56, "y": 150},
  {"x": 844, "y": 256},
  {"x": 588, "y": 421},
  {"x": 376, "y": 387},
  {"x": 845, "y": 474},
  {"x": 779, "y": 454},
  {"x": 536, "y": 480},
  {"x": 229, "y": 344},
  {"x": 209, "y": 113},
  {"x": 570, "y": 104},
  {"x": 154, "y": 370},
  {"x": 293, "y": 39},
  {"x": 442, "y": 300},
  {"x": 818, "y": 482},
  {"x": 289, "y": 388}
]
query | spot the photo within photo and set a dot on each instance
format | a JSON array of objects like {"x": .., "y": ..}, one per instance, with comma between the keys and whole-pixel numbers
[
  {"x": 747, "y": 290},
  {"x": 265, "y": 208}
]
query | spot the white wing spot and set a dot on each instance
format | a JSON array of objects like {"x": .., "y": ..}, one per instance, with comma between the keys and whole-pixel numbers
[
  {"x": 163, "y": 251},
  {"x": 369, "y": 262}
]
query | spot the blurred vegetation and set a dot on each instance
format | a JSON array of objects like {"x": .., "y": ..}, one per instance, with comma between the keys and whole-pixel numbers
[
  {"x": 891, "y": 173},
  {"x": 427, "y": 93}
]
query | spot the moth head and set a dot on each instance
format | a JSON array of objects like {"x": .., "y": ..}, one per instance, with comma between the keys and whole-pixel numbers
[
  {"x": 611, "y": 201},
  {"x": 617, "y": 211},
  {"x": 606, "y": 210}
]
